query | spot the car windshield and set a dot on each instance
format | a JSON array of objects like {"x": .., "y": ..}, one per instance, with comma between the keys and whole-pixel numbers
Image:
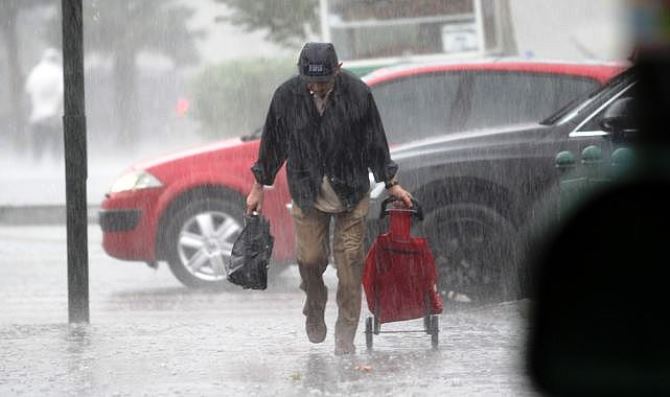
[{"x": 578, "y": 104}]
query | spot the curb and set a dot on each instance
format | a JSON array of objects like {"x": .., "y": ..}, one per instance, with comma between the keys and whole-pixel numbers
[{"x": 40, "y": 215}]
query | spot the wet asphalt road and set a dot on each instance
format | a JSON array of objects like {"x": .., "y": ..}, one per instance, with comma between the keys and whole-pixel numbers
[{"x": 151, "y": 336}]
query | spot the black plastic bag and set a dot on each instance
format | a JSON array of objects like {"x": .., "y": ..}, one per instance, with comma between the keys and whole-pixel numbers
[{"x": 251, "y": 254}]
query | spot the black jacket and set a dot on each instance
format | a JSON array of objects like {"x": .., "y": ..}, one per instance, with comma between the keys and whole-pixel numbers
[{"x": 343, "y": 144}]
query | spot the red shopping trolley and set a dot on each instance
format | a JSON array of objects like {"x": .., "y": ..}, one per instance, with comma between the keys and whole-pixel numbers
[{"x": 400, "y": 277}]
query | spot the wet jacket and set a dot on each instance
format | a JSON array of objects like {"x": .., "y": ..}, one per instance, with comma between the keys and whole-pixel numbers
[{"x": 343, "y": 143}]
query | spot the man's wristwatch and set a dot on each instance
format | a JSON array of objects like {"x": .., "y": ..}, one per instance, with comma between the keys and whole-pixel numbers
[{"x": 391, "y": 183}]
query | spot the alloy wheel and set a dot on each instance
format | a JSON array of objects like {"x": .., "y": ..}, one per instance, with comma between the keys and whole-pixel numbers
[{"x": 205, "y": 243}]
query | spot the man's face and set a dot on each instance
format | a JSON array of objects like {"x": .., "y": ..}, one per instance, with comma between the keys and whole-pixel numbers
[{"x": 321, "y": 88}]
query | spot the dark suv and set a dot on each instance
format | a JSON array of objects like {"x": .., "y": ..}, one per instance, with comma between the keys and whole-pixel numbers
[{"x": 480, "y": 189}]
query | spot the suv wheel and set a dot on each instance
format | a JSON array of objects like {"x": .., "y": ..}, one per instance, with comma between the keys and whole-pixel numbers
[
  {"x": 474, "y": 251},
  {"x": 199, "y": 241}
]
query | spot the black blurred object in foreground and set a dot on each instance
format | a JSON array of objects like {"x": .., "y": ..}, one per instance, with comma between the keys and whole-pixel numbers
[
  {"x": 251, "y": 254},
  {"x": 599, "y": 325}
]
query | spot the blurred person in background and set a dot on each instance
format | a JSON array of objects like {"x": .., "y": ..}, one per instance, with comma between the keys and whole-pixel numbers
[
  {"x": 44, "y": 87},
  {"x": 324, "y": 123}
]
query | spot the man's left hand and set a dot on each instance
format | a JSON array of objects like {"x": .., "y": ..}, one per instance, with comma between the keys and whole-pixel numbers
[{"x": 401, "y": 194}]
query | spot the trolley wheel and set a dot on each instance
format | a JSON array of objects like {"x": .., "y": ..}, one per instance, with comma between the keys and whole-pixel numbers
[
  {"x": 368, "y": 332},
  {"x": 434, "y": 330}
]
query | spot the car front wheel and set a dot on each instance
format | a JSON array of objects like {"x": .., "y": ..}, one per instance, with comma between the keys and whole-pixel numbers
[
  {"x": 199, "y": 241},
  {"x": 475, "y": 253}
]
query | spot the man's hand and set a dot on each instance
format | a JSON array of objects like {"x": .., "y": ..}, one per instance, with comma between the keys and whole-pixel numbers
[
  {"x": 255, "y": 199},
  {"x": 401, "y": 194}
]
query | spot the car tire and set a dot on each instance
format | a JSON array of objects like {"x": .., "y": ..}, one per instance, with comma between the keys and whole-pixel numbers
[
  {"x": 475, "y": 253},
  {"x": 199, "y": 238}
]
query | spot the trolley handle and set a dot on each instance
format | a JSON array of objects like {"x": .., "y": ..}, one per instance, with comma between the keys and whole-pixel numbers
[{"x": 416, "y": 209}]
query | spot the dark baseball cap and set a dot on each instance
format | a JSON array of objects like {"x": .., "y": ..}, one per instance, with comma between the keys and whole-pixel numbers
[{"x": 317, "y": 62}]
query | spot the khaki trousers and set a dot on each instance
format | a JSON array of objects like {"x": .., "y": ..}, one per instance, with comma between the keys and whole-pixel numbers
[{"x": 312, "y": 249}]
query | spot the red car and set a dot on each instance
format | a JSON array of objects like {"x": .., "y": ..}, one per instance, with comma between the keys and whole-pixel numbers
[{"x": 187, "y": 208}]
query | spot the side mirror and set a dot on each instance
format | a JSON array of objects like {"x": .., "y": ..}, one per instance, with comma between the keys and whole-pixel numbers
[{"x": 619, "y": 120}]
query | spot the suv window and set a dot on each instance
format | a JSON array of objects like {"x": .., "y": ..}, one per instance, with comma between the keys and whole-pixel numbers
[
  {"x": 594, "y": 123},
  {"x": 504, "y": 98},
  {"x": 417, "y": 107}
]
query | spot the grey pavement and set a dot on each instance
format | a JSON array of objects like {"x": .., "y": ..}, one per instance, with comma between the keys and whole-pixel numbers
[
  {"x": 42, "y": 183},
  {"x": 151, "y": 336},
  {"x": 32, "y": 192}
]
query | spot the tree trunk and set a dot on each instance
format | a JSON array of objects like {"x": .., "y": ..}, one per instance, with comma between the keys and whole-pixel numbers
[
  {"x": 508, "y": 39},
  {"x": 15, "y": 76},
  {"x": 125, "y": 97}
]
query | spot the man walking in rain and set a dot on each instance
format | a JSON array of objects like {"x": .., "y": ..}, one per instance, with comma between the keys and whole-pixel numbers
[{"x": 324, "y": 123}]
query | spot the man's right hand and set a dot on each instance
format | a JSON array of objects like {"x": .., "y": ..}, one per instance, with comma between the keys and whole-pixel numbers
[{"x": 255, "y": 199}]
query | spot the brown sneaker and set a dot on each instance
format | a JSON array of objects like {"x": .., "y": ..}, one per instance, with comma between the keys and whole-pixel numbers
[
  {"x": 315, "y": 326},
  {"x": 344, "y": 338}
]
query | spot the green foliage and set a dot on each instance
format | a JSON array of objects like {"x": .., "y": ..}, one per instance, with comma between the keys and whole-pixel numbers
[
  {"x": 285, "y": 20},
  {"x": 232, "y": 98}
]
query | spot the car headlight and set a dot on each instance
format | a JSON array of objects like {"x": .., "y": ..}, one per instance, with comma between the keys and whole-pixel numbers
[{"x": 135, "y": 180}]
